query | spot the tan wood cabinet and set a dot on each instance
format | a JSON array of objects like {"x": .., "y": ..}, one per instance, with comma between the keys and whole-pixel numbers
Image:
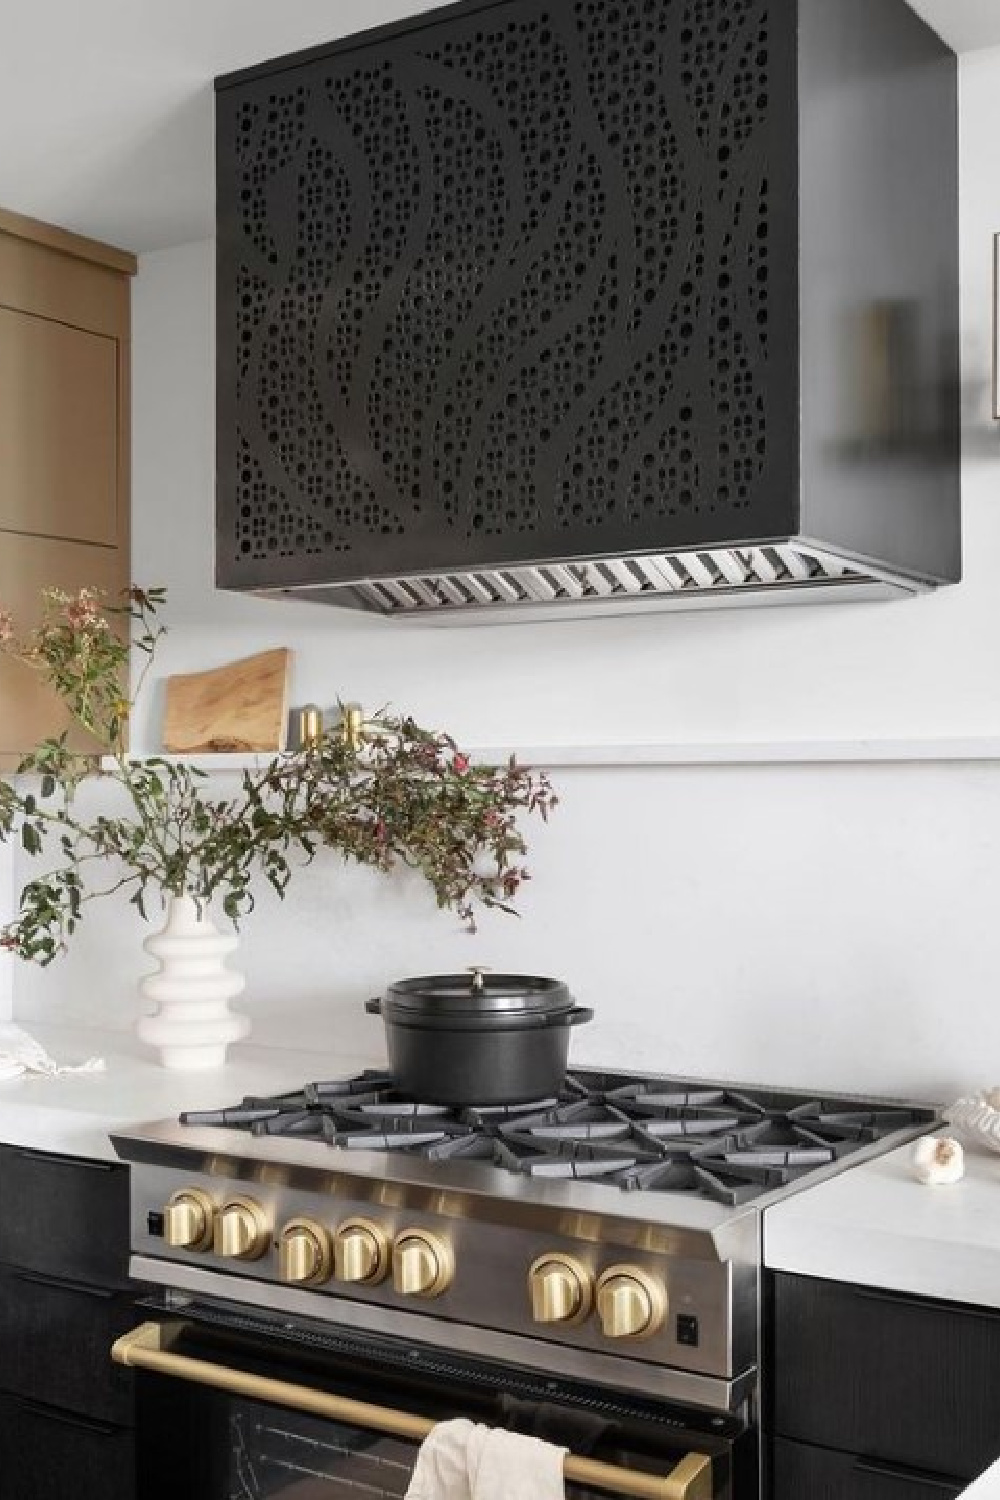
[{"x": 64, "y": 439}]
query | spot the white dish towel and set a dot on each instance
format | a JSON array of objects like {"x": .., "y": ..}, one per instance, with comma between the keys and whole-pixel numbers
[
  {"x": 464, "y": 1460},
  {"x": 20, "y": 1053}
]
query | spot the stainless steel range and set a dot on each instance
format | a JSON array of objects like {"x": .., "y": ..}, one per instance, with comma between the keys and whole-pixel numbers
[{"x": 594, "y": 1257}]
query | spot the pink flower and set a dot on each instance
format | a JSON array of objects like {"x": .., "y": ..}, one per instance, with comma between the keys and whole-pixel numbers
[
  {"x": 461, "y": 763},
  {"x": 82, "y": 613}
]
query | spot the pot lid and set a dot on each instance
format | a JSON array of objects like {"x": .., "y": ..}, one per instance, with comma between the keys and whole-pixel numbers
[{"x": 478, "y": 991}]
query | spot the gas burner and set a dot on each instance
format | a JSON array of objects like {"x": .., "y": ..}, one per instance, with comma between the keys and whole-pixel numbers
[{"x": 639, "y": 1134}]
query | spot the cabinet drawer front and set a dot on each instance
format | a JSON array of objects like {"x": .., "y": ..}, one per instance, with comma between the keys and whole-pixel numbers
[
  {"x": 49, "y": 1455},
  {"x": 804, "y": 1473},
  {"x": 64, "y": 1217},
  {"x": 58, "y": 430},
  {"x": 905, "y": 1380},
  {"x": 55, "y": 1340}
]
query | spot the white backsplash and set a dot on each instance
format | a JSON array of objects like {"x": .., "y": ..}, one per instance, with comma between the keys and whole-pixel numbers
[{"x": 816, "y": 926}]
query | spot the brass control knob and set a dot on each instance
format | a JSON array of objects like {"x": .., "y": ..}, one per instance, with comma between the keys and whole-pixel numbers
[
  {"x": 631, "y": 1304},
  {"x": 423, "y": 1264},
  {"x": 242, "y": 1230},
  {"x": 189, "y": 1220},
  {"x": 304, "y": 1254},
  {"x": 360, "y": 1252},
  {"x": 561, "y": 1289}
]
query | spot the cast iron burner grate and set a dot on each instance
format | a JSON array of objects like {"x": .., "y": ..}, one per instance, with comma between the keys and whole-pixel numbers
[{"x": 651, "y": 1135}]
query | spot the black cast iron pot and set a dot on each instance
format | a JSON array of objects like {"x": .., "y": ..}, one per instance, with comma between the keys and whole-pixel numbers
[{"x": 478, "y": 1038}]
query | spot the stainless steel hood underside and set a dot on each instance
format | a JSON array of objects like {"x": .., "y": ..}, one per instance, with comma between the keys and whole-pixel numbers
[{"x": 786, "y": 572}]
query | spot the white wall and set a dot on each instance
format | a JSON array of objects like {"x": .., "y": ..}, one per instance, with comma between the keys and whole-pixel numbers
[{"x": 829, "y": 925}]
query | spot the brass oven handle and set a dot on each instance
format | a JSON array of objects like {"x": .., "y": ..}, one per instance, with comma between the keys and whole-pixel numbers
[{"x": 691, "y": 1479}]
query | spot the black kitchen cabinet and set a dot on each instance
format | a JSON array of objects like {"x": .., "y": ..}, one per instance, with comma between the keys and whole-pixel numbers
[
  {"x": 66, "y": 1412},
  {"x": 64, "y": 1216},
  {"x": 49, "y": 1454},
  {"x": 811, "y": 1473},
  {"x": 874, "y": 1395}
]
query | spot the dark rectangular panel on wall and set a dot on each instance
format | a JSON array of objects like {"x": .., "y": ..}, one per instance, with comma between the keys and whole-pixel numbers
[{"x": 509, "y": 281}]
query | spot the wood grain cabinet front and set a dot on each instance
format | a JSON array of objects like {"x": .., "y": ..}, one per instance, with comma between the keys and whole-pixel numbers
[
  {"x": 812, "y": 1473},
  {"x": 67, "y": 1413},
  {"x": 64, "y": 439},
  {"x": 877, "y": 1394},
  {"x": 48, "y": 1454}
]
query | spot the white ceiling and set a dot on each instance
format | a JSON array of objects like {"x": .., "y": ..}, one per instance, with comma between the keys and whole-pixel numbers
[{"x": 106, "y": 105}]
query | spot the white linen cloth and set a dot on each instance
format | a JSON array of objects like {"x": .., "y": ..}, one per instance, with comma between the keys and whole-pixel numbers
[
  {"x": 463, "y": 1460},
  {"x": 20, "y": 1053}
]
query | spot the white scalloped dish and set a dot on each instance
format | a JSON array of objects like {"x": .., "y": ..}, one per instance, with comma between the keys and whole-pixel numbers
[{"x": 978, "y": 1117}]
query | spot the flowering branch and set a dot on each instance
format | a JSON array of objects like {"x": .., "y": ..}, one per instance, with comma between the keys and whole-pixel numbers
[{"x": 404, "y": 795}]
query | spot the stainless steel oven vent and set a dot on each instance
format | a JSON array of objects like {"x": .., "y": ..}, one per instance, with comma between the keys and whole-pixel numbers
[{"x": 773, "y": 573}]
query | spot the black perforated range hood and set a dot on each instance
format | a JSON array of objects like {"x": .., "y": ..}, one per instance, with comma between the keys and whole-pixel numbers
[{"x": 615, "y": 304}]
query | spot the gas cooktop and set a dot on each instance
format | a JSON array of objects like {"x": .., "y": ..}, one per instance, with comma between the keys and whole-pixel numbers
[
  {"x": 611, "y": 1234},
  {"x": 725, "y": 1143}
]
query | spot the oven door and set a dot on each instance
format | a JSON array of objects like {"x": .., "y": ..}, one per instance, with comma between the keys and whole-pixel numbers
[{"x": 234, "y": 1405}]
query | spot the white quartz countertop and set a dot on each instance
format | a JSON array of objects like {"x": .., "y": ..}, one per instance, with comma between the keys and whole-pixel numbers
[
  {"x": 877, "y": 1225},
  {"x": 75, "y": 1112}
]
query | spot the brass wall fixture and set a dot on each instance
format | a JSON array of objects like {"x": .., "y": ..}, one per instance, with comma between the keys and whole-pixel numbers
[
  {"x": 352, "y": 724},
  {"x": 308, "y": 726}
]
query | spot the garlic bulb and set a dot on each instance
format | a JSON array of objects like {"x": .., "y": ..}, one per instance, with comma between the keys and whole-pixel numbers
[{"x": 938, "y": 1159}]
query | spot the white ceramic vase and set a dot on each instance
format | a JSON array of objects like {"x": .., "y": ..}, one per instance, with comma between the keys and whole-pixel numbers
[{"x": 192, "y": 1025}]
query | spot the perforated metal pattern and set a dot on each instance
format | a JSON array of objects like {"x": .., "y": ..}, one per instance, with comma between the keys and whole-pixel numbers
[{"x": 499, "y": 287}]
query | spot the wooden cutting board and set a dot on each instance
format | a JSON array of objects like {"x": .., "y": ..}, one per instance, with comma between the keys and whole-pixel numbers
[{"x": 242, "y": 706}]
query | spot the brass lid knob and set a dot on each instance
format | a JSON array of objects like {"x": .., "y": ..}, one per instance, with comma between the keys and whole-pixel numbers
[
  {"x": 189, "y": 1220},
  {"x": 360, "y": 1252},
  {"x": 561, "y": 1289},
  {"x": 242, "y": 1230},
  {"x": 631, "y": 1304},
  {"x": 304, "y": 1255},
  {"x": 423, "y": 1264}
]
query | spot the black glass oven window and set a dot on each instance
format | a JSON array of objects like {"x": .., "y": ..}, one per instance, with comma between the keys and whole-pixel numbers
[
  {"x": 276, "y": 1453},
  {"x": 285, "y": 1455}
]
